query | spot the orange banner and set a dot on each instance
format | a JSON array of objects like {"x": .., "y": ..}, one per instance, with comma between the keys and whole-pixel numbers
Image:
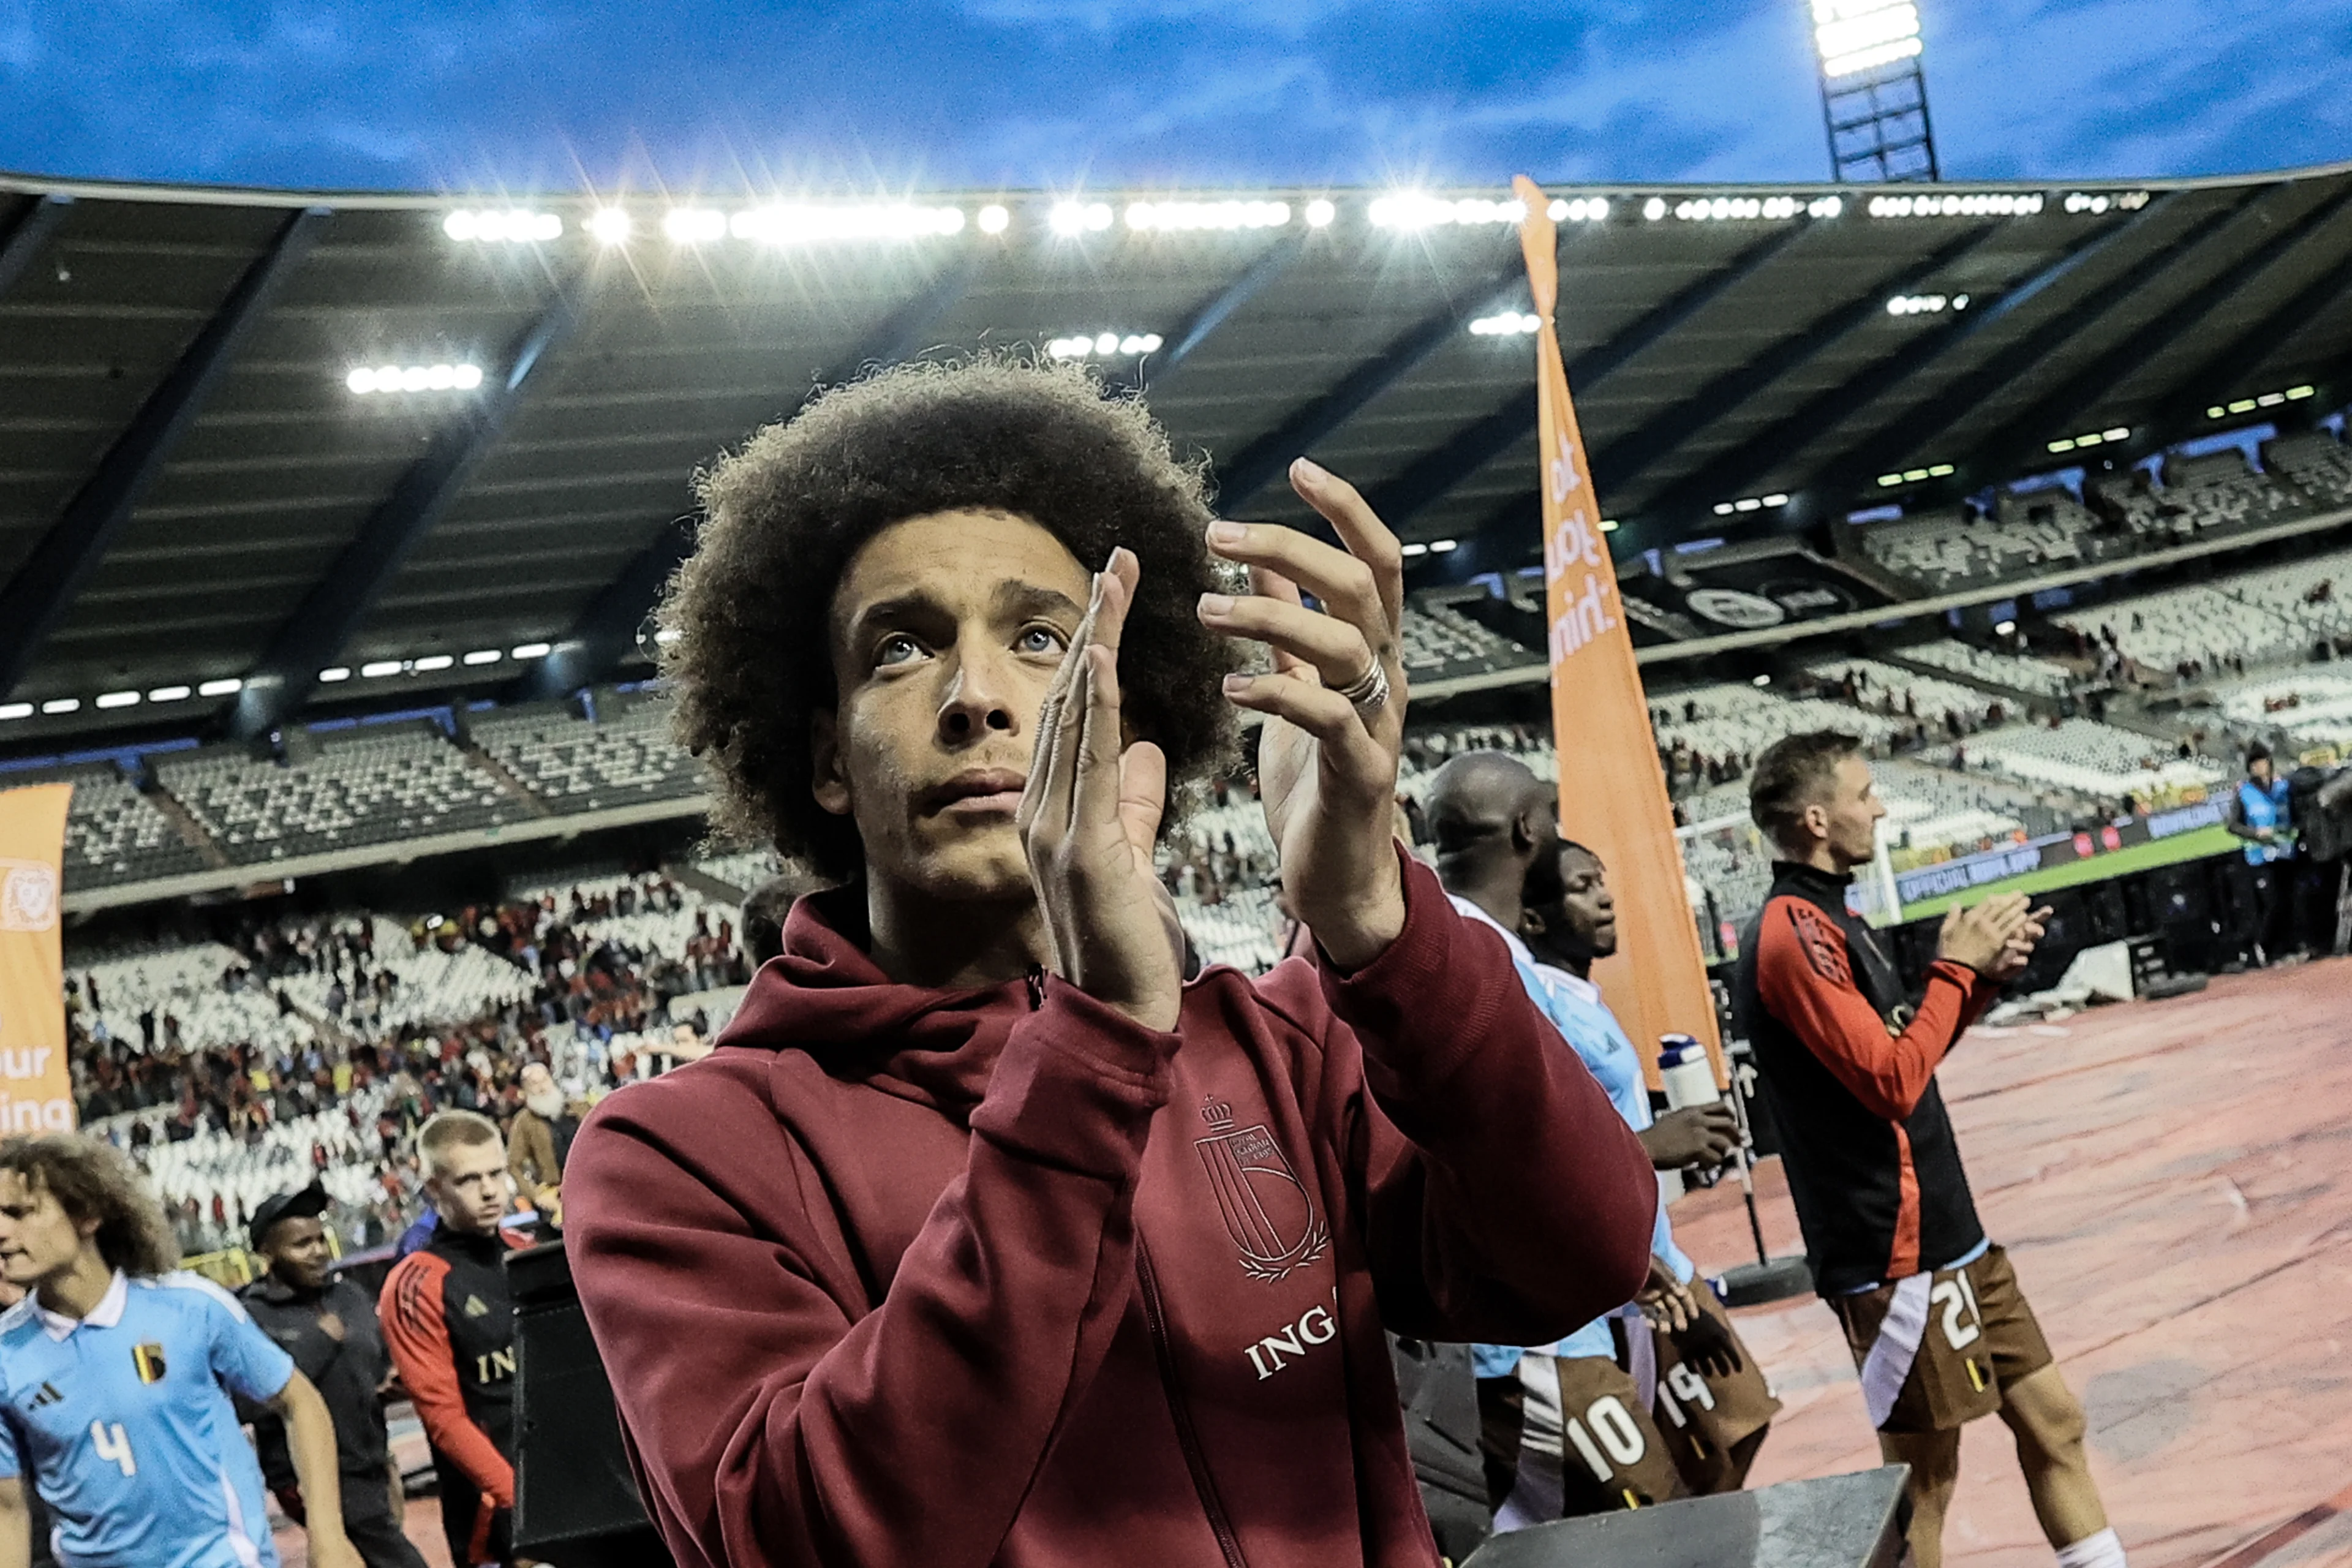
[
  {"x": 35, "y": 1089},
  {"x": 1612, "y": 792}
]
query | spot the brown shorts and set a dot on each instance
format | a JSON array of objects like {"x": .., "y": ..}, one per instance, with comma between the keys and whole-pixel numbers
[
  {"x": 1712, "y": 1424},
  {"x": 1976, "y": 1335},
  {"x": 1568, "y": 1436}
]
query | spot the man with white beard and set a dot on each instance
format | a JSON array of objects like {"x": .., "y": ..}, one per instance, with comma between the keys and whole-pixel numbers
[{"x": 539, "y": 1141}]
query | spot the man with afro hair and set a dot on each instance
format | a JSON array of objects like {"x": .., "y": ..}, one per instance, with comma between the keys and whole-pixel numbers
[{"x": 983, "y": 1237}]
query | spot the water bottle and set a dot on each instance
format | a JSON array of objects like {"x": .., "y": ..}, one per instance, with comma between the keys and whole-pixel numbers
[{"x": 1687, "y": 1075}]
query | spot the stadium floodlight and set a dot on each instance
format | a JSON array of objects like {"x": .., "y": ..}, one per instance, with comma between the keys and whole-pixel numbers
[
  {"x": 62, "y": 705},
  {"x": 1749, "y": 503},
  {"x": 1417, "y": 210},
  {"x": 1760, "y": 681},
  {"x": 1873, "y": 96},
  {"x": 1412, "y": 550},
  {"x": 1509, "y": 324},
  {"x": 434, "y": 661},
  {"x": 376, "y": 670},
  {"x": 1320, "y": 212},
  {"x": 798, "y": 222},
  {"x": 513, "y": 226},
  {"x": 2262, "y": 400},
  {"x": 1926, "y": 305},
  {"x": 1443, "y": 546},
  {"x": 117, "y": 699},
  {"x": 533, "y": 649},
  {"x": 694, "y": 226},
  {"x": 171, "y": 694},
  {"x": 1080, "y": 217},
  {"x": 1079, "y": 345},
  {"x": 365, "y": 380},
  {"x": 1225, "y": 215},
  {"x": 609, "y": 225},
  {"x": 1916, "y": 476},
  {"x": 2091, "y": 438},
  {"x": 1976, "y": 204},
  {"x": 2095, "y": 203},
  {"x": 16, "y": 710},
  {"x": 1578, "y": 209},
  {"x": 996, "y": 218},
  {"x": 334, "y": 673},
  {"x": 1855, "y": 35},
  {"x": 228, "y": 686},
  {"x": 1716, "y": 209},
  {"x": 484, "y": 656},
  {"x": 1609, "y": 525},
  {"x": 2002, "y": 628}
]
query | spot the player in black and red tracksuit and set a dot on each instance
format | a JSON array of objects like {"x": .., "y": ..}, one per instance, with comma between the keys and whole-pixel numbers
[
  {"x": 1931, "y": 1308},
  {"x": 450, "y": 1328}
]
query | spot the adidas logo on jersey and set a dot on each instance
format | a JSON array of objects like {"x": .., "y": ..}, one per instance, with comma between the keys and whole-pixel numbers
[
  {"x": 474, "y": 1309},
  {"x": 149, "y": 1359},
  {"x": 46, "y": 1394}
]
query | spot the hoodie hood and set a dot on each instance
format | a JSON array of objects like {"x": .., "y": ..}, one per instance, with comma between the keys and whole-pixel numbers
[{"x": 825, "y": 996}]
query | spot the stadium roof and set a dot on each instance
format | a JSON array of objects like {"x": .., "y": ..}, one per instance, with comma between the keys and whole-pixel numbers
[{"x": 199, "y": 481}]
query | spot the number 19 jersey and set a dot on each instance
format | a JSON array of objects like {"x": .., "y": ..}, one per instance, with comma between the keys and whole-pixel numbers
[{"x": 123, "y": 1422}]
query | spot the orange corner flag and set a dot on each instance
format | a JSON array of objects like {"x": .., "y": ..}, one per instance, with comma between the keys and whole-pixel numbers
[
  {"x": 35, "y": 1090},
  {"x": 1612, "y": 792}
]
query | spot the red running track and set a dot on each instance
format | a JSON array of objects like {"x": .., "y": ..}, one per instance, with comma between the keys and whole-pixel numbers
[{"x": 2174, "y": 1182}]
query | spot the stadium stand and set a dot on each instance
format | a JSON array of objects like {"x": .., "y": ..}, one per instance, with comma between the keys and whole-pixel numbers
[
  {"x": 231, "y": 1068},
  {"x": 2195, "y": 496},
  {"x": 2312, "y": 707},
  {"x": 2316, "y": 462},
  {"x": 1897, "y": 693},
  {"x": 623, "y": 758},
  {"x": 373, "y": 785},
  {"x": 2188, "y": 631},
  {"x": 1956, "y": 548},
  {"x": 1441, "y": 643},
  {"x": 2304, "y": 594},
  {"x": 2018, "y": 672},
  {"x": 115, "y": 834},
  {"x": 2099, "y": 761}
]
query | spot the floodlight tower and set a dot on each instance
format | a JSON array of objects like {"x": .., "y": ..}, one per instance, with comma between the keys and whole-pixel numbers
[{"x": 1874, "y": 95}]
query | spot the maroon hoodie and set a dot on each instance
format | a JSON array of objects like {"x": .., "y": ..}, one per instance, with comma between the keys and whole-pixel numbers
[{"x": 901, "y": 1277}]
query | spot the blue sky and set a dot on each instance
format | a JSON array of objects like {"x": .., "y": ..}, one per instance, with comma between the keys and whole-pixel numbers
[{"x": 894, "y": 94}]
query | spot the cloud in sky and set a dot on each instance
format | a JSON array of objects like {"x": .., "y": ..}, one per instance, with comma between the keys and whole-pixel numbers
[{"x": 472, "y": 94}]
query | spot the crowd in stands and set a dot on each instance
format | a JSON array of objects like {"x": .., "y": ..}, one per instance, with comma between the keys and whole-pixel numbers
[{"x": 322, "y": 1044}]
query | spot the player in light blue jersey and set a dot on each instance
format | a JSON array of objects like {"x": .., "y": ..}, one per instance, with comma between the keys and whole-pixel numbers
[
  {"x": 1614, "y": 1414},
  {"x": 115, "y": 1378}
]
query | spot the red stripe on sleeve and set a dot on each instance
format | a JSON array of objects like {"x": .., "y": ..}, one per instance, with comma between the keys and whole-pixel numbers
[
  {"x": 1806, "y": 982},
  {"x": 417, "y": 1335}
]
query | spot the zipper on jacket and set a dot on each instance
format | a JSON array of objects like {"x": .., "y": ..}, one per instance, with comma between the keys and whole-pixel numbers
[{"x": 1187, "y": 1437}]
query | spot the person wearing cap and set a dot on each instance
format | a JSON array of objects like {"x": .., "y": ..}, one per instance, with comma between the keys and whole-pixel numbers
[{"x": 328, "y": 1324}]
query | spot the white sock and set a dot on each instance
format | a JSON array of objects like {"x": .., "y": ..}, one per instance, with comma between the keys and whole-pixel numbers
[{"x": 2100, "y": 1551}]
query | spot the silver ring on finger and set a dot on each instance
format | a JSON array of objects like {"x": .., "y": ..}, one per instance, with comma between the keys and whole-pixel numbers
[{"x": 1368, "y": 694}]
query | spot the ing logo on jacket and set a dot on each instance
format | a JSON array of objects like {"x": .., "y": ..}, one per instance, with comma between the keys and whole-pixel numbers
[{"x": 1265, "y": 1207}]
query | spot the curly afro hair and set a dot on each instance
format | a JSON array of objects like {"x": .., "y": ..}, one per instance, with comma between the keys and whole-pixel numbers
[
  {"x": 93, "y": 1180},
  {"x": 751, "y": 609}
]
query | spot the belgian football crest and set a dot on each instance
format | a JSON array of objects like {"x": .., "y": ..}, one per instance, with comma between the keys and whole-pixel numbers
[
  {"x": 149, "y": 1359},
  {"x": 1266, "y": 1209}
]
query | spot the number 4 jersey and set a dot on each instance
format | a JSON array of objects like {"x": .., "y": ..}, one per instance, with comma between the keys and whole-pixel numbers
[{"x": 123, "y": 1422}]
